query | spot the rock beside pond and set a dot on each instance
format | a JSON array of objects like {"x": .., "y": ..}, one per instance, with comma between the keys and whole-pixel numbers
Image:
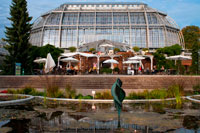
[{"x": 5, "y": 129}]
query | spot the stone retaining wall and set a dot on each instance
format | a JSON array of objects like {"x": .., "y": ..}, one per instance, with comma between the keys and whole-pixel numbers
[{"x": 86, "y": 83}]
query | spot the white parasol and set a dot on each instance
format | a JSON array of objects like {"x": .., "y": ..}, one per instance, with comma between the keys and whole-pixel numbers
[
  {"x": 41, "y": 60},
  {"x": 69, "y": 60},
  {"x": 50, "y": 64},
  {"x": 131, "y": 62},
  {"x": 112, "y": 61},
  {"x": 136, "y": 58}
]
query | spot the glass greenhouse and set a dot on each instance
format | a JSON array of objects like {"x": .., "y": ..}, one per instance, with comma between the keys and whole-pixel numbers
[{"x": 134, "y": 24}]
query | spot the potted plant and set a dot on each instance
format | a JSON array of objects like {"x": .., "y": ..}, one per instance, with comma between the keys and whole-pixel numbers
[
  {"x": 92, "y": 50},
  {"x": 106, "y": 71},
  {"x": 136, "y": 49},
  {"x": 116, "y": 70},
  {"x": 72, "y": 49},
  {"x": 116, "y": 50}
]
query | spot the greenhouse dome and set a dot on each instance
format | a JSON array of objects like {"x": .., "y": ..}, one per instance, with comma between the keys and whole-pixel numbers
[{"x": 133, "y": 24}]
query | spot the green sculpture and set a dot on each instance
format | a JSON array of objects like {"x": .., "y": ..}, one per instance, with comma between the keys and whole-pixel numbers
[{"x": 118, "y": 96}]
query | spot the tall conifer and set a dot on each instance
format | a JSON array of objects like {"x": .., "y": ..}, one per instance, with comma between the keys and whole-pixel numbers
[{"x": 17, "y": 36}]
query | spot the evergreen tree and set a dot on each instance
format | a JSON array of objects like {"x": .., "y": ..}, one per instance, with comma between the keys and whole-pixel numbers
[
  {"x": 17, "y": 37},
  {"x": 195, "y": 58}
]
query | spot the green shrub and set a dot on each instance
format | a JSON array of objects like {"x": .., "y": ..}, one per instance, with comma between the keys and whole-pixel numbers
[
  {"x": 92, "y": 49},
  {"x": 88, "y": 97},
  {"x": 106, "y": 70},
  {"x": 158, "y": 94},
  {"x": 79, "y": 96},
  {"x": 145, "y": 49},
  {"x": 27, "y": 90},
  {"x": 103, "y": 95},
  {"x": 116, "y": 69},
  {"x": 196, "y": 89},
  {"x": 72, "y": 49},
  {"x": 136, "y": 49},
  {"x": 69, "y": 92}
]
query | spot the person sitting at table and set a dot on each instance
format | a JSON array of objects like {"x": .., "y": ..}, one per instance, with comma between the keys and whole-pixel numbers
[
  {"x": 68, "y": 70},
  {"x": 76, "y": 69},
  {"x": 72, "y": 69}
]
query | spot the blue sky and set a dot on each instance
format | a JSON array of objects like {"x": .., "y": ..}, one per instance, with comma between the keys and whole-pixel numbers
[{"x": 184, "y": 12}]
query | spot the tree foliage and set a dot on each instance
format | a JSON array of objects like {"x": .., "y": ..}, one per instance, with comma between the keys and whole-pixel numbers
[
  {"x": 195, "y": 57},
  {"x": 136, "y": 49},
  {"x": 116, "y": 50},
  {"x": 92, "y": 49},
  {"x": 36, "y": 52},
  {"x": 191, "y": 35},
  {"x": 159, "y": 55},
  {"x": 17, "y": 36},
  {"x": 72, "y": 49}
]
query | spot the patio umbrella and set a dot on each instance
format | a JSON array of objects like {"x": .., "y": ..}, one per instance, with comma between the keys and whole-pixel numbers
[
  {"x": 178, "y": 57},
  {"x": 50, "y": 64},
  {"x": 131, "y": 62},
  {"x": 136, "y": 58},
  {"x": 78, "y": 53},
  {"x": 111, "y": 61},
  {"x": 41, "y": 60},
  {"x": 70, "y": 60}
]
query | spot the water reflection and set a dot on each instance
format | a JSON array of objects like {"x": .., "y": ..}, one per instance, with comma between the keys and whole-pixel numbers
[{"x": 85, "y": 117}]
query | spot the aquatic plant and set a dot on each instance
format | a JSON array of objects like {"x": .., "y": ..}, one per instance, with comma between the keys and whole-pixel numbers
[
  {"x": 158, "y": 94},
  {"x": 154, "y": 94},
  {"x": 175, "y": 91},
  {"x": 80, "y": 96},
  {"x": 27, "y": 90},
  {"x": 70, "y": 92},
  {"x": 55, "y": 92},
  {"x": 103, "y": 95}
]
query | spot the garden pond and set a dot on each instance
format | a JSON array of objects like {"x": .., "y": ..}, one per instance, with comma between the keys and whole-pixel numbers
[{"x": 41, "y": 115}]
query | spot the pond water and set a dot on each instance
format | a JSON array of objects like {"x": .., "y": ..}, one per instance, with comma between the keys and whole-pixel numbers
[{"x": 54, "y": 116}]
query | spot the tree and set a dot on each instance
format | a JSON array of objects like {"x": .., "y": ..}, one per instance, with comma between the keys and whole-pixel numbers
[
  {"x": 159, "y": 55},
  {"x": 55, "y": 52},
  {"x": 72, "y": 49},
  {"x": 191, "y": 35},
  {"x": 195, "y": 58},
  {"x": 17, "y": 36},
  {"x": 36, "y": 52}
]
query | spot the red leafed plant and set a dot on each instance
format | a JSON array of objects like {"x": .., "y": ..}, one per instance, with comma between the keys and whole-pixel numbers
[{"x": 4, "y": 91}]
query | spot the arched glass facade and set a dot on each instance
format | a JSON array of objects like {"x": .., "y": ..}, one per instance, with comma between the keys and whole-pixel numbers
[{"x": 134, "y": 24}]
